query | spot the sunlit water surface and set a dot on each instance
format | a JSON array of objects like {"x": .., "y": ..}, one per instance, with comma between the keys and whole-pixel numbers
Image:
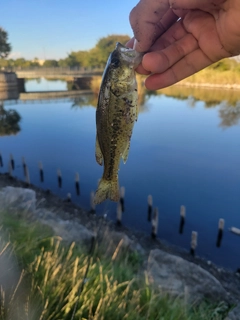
[{"x": 180, "y": 153}]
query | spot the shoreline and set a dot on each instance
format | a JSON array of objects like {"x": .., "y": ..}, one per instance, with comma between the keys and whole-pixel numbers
[
  {"x": 69, "y": 211},
  {"x": 207, "y": 85}
]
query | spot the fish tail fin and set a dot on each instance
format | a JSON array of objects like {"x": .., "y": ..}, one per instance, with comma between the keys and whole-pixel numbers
[{"x": 107, "y": 190}]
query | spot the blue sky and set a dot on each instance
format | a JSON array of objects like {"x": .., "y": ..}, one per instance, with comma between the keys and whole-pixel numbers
[{"x": 50, "y": 29}]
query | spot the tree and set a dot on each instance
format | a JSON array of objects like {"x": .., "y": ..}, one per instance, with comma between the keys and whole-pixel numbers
[
  {"x": 20, "y": 62},
  {"x": 107, "y": 44},
  {"x": 50, "y": 63},
  {"x": 35, "y": 62},
  {"x": 82, "y": 57},
  {"x": 70, "y": 61},
  {"x": 4, "y": 63},
  {"x": 5, "y": 47},
  {"x": 96, "y": 56}
]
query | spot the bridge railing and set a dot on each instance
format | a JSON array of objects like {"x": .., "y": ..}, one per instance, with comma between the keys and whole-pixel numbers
[{"x": 56, "y": 70}]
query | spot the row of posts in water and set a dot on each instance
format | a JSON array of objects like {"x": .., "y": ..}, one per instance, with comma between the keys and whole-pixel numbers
[
  {"x": 152, "y": 213},
  {"x": 11, "y": 168}
]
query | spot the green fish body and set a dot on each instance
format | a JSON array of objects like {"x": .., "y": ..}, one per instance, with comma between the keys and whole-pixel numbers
[{"x": 115, "y": 117}]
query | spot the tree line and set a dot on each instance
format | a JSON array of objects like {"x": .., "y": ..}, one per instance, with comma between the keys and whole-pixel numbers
[{"x": 94, "y": 57}]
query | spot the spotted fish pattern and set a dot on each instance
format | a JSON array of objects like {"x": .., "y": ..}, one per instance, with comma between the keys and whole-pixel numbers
[{"x": 115, "y": 117}]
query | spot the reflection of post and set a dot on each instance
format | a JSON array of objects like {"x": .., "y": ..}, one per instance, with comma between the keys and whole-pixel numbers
[
  {"x": 24, "y": 167},
  {"x": 27, "y": 176},
  {"x": 119, "y": 214},
  {"x": 12, "y": 161},
  {"x": 59, "y": 174},
  {"x": 92, "y": 203},
  {"x": 155, "y": 223},
  {"x": 69, "y": 197},
  {"x": 150, "y": 202},
  {"x": 77, "y": 184},
  {"x": 1, "y": 160},
  {"x": 10, "y": 168},
  {"x": 221, "y": 223},
  {"x": 193, "y": 243},
  {"x": 122, "y": 194},
  {"x": 182, "y": 218},
  {"x": 41, "y": 171}
]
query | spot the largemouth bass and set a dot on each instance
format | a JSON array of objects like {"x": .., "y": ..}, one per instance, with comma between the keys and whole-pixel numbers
[{"x": 115, "y": 116}]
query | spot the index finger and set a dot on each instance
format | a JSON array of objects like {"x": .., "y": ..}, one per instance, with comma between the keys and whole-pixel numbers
[{"x": 149, "y": 20}]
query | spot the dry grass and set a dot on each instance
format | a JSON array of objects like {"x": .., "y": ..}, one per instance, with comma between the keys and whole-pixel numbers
[{"x": 210, "y": 77}]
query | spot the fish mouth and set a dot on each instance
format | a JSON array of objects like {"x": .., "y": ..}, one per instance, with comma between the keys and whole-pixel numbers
[{"x": 131, "y": 55}]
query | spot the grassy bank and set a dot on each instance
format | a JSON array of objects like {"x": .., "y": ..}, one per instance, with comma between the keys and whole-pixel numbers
[
  {"x": 223, "y": 73},
  {"x": 48, "y": 279}
]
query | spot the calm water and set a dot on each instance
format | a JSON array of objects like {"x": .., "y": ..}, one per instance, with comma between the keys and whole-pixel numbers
[{"x": 183, "y": 152}]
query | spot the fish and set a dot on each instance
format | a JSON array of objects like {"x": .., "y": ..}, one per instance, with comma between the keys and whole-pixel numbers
[{"x": 116, "y": 114}]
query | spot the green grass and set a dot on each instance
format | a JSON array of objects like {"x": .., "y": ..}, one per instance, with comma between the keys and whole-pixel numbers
[{"x": 62, "y": 281}]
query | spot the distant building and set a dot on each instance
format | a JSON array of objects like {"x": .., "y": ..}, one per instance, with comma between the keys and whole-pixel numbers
[{"x": 40, "y": 61}]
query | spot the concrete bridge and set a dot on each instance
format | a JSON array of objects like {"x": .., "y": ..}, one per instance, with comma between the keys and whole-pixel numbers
[{"x": 58, "y": 72}]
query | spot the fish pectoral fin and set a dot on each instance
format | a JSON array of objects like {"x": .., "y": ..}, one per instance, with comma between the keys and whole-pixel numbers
[
  {"x": 98, "y": 153},
  {"x": 125, "y": 152}
]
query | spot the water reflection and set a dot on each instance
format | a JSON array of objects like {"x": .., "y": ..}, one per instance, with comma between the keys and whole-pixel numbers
[
  {"x": 210, "y": 96},
  {"x": 91, "y": 100},
  {"x": 9, "y": 121},
  {"x": 229, "y": 101},
  {"x": 43, "y": 84},
  {"x": 84, "y": 101},
  {"x": 230, "y": 115},
  {"x": 229, "y": 112}
]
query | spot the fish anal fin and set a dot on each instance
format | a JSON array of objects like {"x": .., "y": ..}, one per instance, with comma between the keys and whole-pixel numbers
[
  {"x": 98, "y": 153},
  {"x": 126, "y": 152}
]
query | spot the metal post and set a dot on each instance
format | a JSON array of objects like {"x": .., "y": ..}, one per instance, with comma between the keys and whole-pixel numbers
[{"x": 194, "y": 239}]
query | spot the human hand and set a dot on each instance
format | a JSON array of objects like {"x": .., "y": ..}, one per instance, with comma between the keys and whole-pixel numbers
[{"x": 206, "y": 32}]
